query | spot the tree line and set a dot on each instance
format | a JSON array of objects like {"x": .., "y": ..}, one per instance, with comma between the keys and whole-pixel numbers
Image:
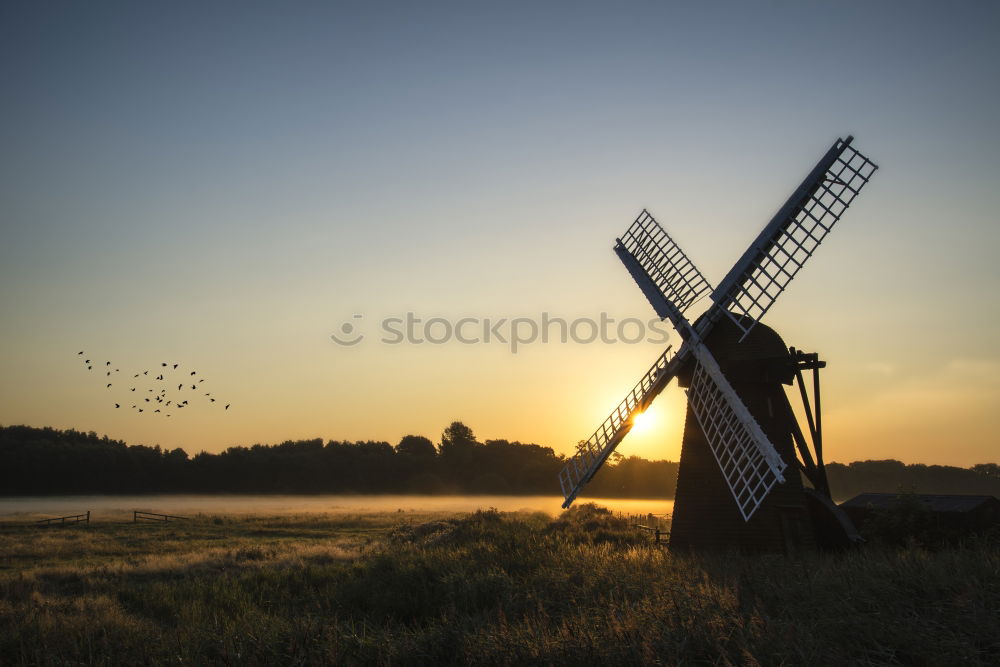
[{"x": 51, "y": 461}]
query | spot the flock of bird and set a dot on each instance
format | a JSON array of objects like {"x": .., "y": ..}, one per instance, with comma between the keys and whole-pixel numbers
[{"x": 160, "y": 398}]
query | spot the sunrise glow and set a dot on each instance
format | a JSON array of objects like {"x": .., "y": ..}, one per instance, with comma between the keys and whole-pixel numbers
[
  {"x": 270, "y": 207},
  {"x": 643, "y": 421}
]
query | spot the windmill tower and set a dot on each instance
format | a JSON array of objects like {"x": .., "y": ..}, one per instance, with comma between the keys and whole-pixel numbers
[{"x": 744, "y": 454}]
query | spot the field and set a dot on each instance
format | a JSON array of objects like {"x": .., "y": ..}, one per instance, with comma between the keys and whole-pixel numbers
[{"x": 485, "y": 588}]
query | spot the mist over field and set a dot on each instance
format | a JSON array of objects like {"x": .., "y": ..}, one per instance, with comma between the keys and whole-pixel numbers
[{"x": 121, "y": 507}]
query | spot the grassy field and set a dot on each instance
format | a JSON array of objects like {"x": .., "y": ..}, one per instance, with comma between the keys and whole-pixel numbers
[{"x": 486, "y": 588}]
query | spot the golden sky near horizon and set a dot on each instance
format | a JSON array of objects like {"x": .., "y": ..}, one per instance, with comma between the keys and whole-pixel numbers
[{"x": 225, "y": 194}]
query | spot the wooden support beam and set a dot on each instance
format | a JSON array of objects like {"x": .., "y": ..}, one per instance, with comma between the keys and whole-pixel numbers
[{"x": 818, "y": 439}]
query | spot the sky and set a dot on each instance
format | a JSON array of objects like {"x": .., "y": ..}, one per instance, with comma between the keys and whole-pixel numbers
[{"x": 227, "y": 185}]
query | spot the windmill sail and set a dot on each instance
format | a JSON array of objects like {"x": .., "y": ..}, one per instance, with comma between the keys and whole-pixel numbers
[
  {"x": 784, "y": 245},
  {"x": 748, "y": 461},
  {"x": 592, "y": 453},
  {"x": 670, "y": 281}
]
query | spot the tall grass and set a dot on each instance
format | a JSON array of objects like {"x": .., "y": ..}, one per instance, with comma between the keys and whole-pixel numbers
[{"x": 485, "y": 588}]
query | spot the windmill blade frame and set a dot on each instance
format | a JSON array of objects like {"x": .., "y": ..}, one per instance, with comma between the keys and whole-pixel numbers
[
  {"x": 749, "y": 462},
  {"x": 791, "y": 237},
  {"x": 593, "y": 452},
  {"x": 665, "y": 273}
]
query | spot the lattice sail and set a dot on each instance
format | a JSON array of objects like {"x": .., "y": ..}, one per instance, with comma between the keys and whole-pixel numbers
[
  {"x": 592, "y": 453},
  {"x": 783, "y": 247},
  {"x": 676, "y": 276},
  {"x": 749, "y": 463}
]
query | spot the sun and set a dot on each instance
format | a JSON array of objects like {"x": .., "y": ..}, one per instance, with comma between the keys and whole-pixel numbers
[{"x": 643, "y": 421}]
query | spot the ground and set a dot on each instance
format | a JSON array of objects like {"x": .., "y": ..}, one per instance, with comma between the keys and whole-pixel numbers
[{"x": 482, "y": 588}]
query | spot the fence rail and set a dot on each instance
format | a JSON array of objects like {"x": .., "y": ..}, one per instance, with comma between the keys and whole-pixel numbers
[
  {"x": 138, "y": 516},
  {"x": 657, "y": 525},
  {"x": 73, "y": 518},
  {"x": 659, "y": 535}
]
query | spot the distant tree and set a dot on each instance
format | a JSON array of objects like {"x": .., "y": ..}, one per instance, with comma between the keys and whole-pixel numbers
[
  {"x": 176, "y": 455},
  {"x": 416, "y": 446},
  {"x": 461, "y": 458},
  {"x": 457, "y": 438},
  {"x": 987, "y": 469},
  {"x": 635, "y": 477},
  {"x": 524, "y": 468}
]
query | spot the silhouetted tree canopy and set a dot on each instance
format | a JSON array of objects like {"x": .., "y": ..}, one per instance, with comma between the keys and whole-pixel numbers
[
  {"x": 457, "y": 440},
  {"x": 416, "y": 446},
  {"x": 890, "y": 476},
  {"x": 50, "y": 461},
  {"x": 987, "y": 469}
]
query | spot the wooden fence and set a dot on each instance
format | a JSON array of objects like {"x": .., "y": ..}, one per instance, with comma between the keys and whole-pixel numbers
[
  {"x": 73, "y": 518},
  {"x": 657, "y": 525},
  {"x": 153, "y": 516},
  {"x": 659, "y": 536}
]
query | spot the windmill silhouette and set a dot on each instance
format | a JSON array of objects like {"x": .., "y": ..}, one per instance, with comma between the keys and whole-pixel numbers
[{"x": 734, "y": 487}]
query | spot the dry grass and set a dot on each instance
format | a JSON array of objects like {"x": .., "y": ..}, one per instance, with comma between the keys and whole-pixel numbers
[{"x": 486, "y": 588}]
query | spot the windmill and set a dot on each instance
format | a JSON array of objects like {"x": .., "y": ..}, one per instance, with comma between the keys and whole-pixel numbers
[{"x": 739, "y": 482}]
